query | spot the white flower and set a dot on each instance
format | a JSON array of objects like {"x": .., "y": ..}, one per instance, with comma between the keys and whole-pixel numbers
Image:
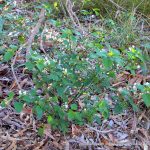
[
  {"x": 65, "y": 71},
  {"x": 22, "y": 92},
  {"x": 66, "y": 105},
  {"x": 120, "y": 89},
  {"x": 93, "y": 16},
  {"x": 130, "y": 48},
  {"x": 135, "y": 88},
  {"x": 147, "y": 83},
  {"x": 138, "y": 66}
]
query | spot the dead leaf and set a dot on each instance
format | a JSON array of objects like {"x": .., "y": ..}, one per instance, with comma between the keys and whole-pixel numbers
[
  {"x": 48, "y": 131},
  {"x": 1, "y": 92},
  {"x": 3, "y": 68},
  {"x": 75, "y": 130},
  {"x": 13, "y": 85},
  {"x": 22, "y": 83},
  {"x": 27, "y": 110},
  {"x": 132, "y": 80},
  {"x": 57, "y": 145}
]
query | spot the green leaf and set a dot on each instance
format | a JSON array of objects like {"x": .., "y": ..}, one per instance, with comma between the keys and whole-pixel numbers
[
  {"x": 48, "y": 7},
  {"x": 10, "y": 96},
  {"x": 71, "y": 115},
  {"x": 39, "y": 112},
  {"x": 60, "y": 91},
  {"x": 8, "y": 55},
  {"x": 74, "y": 106},
  {"x": 40, "y": 65},
  {"x": 1, "y": 23},
  {"x": 29, "y": 65},
  {"x": 103, "y": 108},
  {"x": 3, "y": 103},
  {"x": 140, "y": 87},
  {"x": 41, "y": 131},
  {"x": 107, "y": 62},
  {"x": 27, "y": 99},
  {"x": 134, "y": 106},
  {"x": 21, "y": 39},
  {"x": 13, "y": 47},
  {"x": 118, "y": 108},
  {"x": 18, "y": 106},
  {"x": 49, "y": 119},
  {"x": 97, "y": 119},
  {"x": 146, "y": 98},
  {"x": 54, "y": 77}
]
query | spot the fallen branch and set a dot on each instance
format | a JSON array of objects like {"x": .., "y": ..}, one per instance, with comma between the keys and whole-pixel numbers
[
  {"x": 41, "y": 41},
  {"x": 73, "y": 16},
  {"x": 99, "y": 131},
  {"x": 35, "y": 31},
  {"x": 12, "y": 66},
  {"x": 28, "y": 43}
]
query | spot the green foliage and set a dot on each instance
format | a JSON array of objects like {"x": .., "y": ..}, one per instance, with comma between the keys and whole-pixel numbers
[
  {"x": 71, "y": 76},
  {"x": 10, "y": 53},
  {"x": 18, "y": 106},
  {"x": 8, "y": 99},
  {"x": 146, "y": 98}
]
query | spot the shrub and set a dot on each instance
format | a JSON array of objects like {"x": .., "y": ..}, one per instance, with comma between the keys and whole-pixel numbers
[{"x": 72, "y": 84}]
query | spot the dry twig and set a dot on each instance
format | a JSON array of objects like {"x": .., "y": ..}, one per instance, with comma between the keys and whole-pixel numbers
[
  {"x": 12, "y": 66},
  {"x": 35, "y": 31},
  {"x": 73, "y": 16},
  {"x": 99, "y": 131}
]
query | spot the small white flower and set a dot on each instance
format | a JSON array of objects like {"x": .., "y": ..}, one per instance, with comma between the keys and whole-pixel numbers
[
  {"x": 120, "y": 89},
  {"x": 93, "y": 16},
  {"x": 24, "y": 92},
  {"x": 20, "y": 92},
  {"x": 34, "y": 52},
  {"x": 134, "y": 88},
  {"x": 147, "y": 83},
  {"x": 138, "y": 66},
  {"x": 130, "y": 48},
  {"x": 66, "y": 105}
]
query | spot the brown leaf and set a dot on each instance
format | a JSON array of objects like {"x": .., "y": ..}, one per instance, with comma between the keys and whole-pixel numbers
[
  {"x": 47, "y": 131},
  {"x": 132, "y": 80},
  {"x": 75, "y": 130},
  {"x": 13, "y": 85},
  {"x": 111, "y": 137},
  {"x": 1, "y": 92},
  {"x": 57, "y": 145},
  {"x": 22, "y": 83},
  {"x": 27, "y": 110},
  {"x": 3, "y": 68}
]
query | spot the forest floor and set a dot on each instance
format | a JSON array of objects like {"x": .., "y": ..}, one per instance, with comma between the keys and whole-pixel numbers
[{"x": 123, "y": 132}]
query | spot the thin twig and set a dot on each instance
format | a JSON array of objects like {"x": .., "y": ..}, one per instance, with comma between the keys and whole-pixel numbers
[
  {"x": 99, "y": 131},
  {"x": 73, "y": 16},
  {"x": 12, "y": 66},
  {"x": 41, "y": 41},
  {"x": 117, "y": 5},
  {"x": 35, "y": 31}
]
